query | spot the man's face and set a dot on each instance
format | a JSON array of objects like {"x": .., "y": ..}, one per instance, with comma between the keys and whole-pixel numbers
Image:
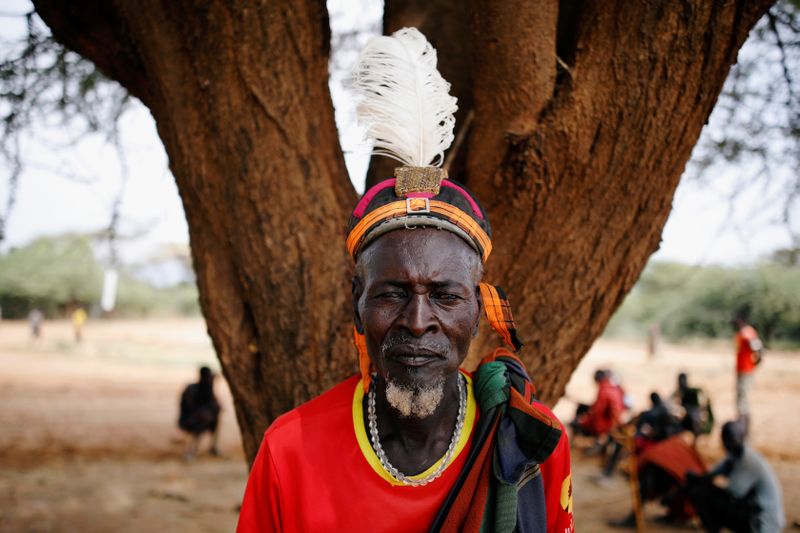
[{"x": 416, "y": 297}]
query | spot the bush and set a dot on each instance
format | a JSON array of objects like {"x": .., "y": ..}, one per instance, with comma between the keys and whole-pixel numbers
[
  {"x": 690, "y": 301},
  {"x": 56, "y": 273}
]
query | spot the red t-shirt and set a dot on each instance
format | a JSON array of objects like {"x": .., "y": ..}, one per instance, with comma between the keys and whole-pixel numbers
[
  {"x": 606, "y": 412},
  {"x": 316, "y": 471},
  {"x": 745, "y": 356}
]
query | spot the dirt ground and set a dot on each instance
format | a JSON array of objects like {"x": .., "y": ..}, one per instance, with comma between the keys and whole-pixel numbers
[{"x": 88, "y": 440}]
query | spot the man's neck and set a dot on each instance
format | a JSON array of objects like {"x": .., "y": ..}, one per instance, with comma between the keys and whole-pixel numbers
[{"x": 413, "y": 444}]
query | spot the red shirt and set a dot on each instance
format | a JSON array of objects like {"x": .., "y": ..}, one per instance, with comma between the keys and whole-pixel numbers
[
  {"x": 606, "y": 412},
  {"x": 316, "y": 471},
  {"x": 745, "y": 356}
]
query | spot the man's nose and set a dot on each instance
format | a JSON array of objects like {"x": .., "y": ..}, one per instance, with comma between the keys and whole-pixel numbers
[{"x": 418, "y": 315}]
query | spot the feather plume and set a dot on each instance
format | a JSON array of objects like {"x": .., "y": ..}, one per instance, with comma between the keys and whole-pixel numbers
[{"x": 406, "y": 106}]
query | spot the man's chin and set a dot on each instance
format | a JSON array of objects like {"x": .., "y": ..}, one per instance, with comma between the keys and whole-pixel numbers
[{"x": 419, "y": 400}]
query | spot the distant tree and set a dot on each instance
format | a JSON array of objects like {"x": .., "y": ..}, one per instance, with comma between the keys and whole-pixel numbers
[
  {"x": 49, "y": 273},
  {"x": 578, "y": 125},
  {"x": 690, "y": 302},
  {"x": 787, "y": 256},
  {"x": 57, "y": 273}
]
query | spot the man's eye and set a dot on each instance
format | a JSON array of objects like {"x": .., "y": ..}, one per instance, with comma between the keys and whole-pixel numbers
[
  {"x": 392, "y": 295},
  {"x": 446, "y": 296}
]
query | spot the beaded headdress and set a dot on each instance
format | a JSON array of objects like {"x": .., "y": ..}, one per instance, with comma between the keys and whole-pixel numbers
[{"x": 409, "y": 115}]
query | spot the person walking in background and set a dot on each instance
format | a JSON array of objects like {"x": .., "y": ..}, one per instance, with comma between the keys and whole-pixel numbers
[
  {"x": 752, "y": 500},
  {"x": 35, "y": 319},
  {"x": 748, "y": 356},
  {"x": 78, "y": 320},
  {"x": 199, "y": 413}
]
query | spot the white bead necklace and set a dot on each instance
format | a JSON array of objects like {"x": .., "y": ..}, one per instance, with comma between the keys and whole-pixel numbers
[{"x": 376, "y": 443}]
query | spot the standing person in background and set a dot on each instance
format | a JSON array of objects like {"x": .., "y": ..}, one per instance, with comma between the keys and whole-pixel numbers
[
  {"x": 78, "y": 320},
  {"x": 35, "y": 319},
  {"x": 748, "y": 356},
  {"x": 653, "y": 340}
]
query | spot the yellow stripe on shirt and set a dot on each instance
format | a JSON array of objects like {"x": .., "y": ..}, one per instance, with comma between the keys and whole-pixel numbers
[{"x": 372, "y": 458}]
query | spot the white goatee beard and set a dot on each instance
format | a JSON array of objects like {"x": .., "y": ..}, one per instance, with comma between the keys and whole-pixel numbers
[{"x": 417, "y": 401}]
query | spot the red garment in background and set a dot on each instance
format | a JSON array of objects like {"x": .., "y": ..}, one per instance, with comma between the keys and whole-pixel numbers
[
  {"x": 674, "y": 456},
  {"x": 745, "y": 356},
  {"x": 606, "y": 412},
  {"x": 311, "y": 474}
]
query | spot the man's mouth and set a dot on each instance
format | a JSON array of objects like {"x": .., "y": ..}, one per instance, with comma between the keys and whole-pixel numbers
[{"x": 413, "y": 358}]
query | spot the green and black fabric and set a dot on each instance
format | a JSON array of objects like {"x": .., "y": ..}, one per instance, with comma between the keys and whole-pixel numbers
[{"x": 513, "y": 437}]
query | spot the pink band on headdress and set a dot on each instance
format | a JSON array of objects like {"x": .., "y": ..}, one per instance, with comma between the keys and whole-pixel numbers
[
  {"x": 370, "y": 194},
  {"x": 362, "y": 205},
  {"x": 475, "y": 208}
]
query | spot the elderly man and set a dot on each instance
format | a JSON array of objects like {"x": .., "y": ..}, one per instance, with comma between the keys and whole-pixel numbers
[{"x": 414, "y": 443}]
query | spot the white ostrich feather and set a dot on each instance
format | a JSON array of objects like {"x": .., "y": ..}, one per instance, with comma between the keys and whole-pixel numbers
[{"x": 406, "y": 107}]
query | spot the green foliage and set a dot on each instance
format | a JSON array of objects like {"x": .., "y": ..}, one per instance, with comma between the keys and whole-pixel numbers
[
  {"x": 787, "y": 256},
  {"x": 136, "y": 298},
  {"x": 49, "y": 274},
  {"x": 54, "y": 273},
  {"x": 691, "y": 302}
]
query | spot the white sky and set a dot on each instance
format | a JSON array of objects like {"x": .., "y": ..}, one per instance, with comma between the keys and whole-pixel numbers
[{"x": 703, "y": 228}]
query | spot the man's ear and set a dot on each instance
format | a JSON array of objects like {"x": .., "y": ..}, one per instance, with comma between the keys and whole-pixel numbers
[{"x": 357, "y": 289}]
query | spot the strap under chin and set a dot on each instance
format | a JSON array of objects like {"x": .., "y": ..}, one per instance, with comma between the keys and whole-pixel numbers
[{"x": 498, "y": 312}]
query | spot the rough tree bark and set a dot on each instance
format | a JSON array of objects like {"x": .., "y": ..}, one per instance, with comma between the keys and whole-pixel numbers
[{"x": 583, "y": 119}]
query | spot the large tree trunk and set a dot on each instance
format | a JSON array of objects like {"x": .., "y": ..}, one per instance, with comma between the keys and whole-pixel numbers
[
  {"x": 240, "y": 97},
  {"x": 583, "y": 118}
]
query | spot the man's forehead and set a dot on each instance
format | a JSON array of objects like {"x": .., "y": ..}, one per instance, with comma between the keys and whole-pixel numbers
[{"x": 421, "y": 251}]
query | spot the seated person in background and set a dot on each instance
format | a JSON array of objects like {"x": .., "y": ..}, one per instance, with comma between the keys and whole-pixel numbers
[
  {"x": 658, "y": 422},
  {"x": 605, "y": 414},
  {"x": 200, "y": 412},
  {"x": 662, "y": 470},
  {"x": 698, "y": 416},
  {"x": 653, "y": 425},
  {"x": 752, "y": 501}
]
